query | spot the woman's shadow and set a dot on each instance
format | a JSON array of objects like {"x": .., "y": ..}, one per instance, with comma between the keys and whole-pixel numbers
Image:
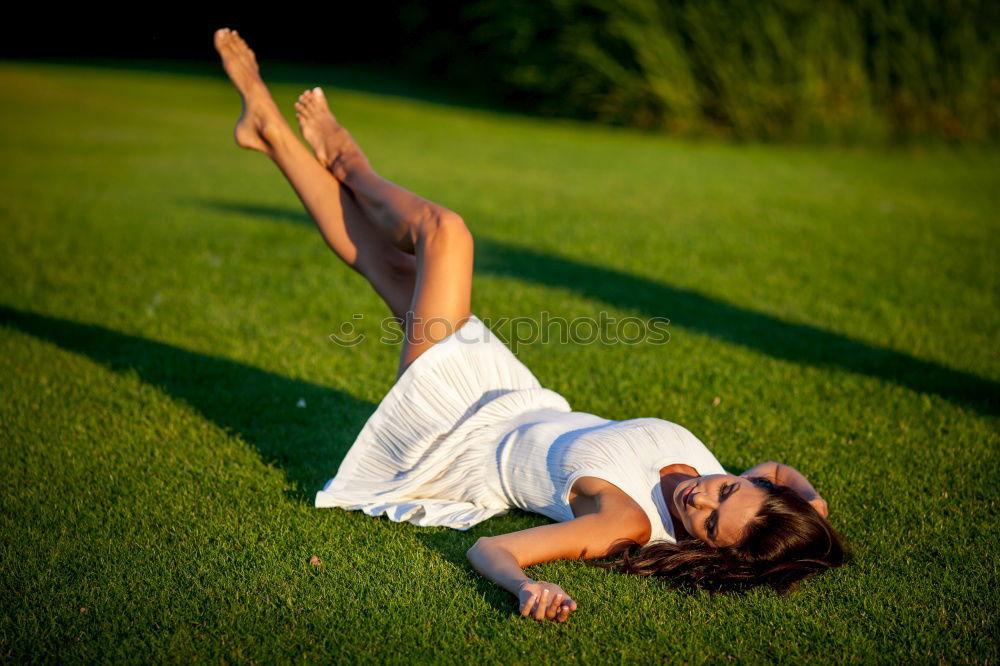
[
  {"x": 307, "y": 444},
  {"x": 800, "y": 343}
]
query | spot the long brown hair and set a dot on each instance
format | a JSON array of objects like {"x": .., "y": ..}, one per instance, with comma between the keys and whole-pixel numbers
[{"x": 786, "y": 542}]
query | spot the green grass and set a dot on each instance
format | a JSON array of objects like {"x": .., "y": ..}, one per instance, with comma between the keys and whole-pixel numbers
[{"x": 164, "y": 304}]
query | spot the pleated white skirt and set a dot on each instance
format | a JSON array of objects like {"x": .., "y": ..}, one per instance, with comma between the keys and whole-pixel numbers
[{"x": 428, "y": 455}]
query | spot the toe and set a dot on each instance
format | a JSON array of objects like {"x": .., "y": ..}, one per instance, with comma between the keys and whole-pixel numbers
[
  {"x": 228, "y": 42},
  {"x": 221, "y": 38}
]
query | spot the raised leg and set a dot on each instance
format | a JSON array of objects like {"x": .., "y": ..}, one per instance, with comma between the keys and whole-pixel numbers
[
  {"x": 335, "y": 210},
  {"x": 437, "y": 236}
]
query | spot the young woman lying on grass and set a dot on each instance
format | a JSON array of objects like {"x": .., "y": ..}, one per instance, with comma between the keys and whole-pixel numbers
[{"x": 467, "y": 432}]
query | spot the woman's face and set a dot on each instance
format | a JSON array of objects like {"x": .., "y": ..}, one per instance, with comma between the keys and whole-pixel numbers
[{"x": 717, "y": 507}]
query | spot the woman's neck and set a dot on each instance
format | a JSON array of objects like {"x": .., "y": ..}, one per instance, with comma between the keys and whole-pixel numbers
[{"x": 672, "y": 476}]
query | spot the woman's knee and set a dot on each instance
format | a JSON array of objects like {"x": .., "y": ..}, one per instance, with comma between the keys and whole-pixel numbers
[{"x": 442, "y": 226}]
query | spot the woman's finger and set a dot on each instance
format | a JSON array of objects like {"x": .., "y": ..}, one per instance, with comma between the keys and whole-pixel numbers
[
  {"x": 563, "y": 612},
  {"x": 542, "y": 605},
  {"x": 553, "y": 608},
  {"x": 528, "y": 605}
]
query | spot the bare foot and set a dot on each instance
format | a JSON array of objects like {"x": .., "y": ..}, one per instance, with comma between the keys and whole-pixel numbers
[
  {"x": 260, "y": 121},
  {"x": 334, "y": 146}
]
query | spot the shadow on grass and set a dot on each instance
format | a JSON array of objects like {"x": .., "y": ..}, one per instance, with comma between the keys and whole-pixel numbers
[
  {"x": 800, "y": 343},
  {"x": 685, "y": 308},
  {"x": 259, "y": 406}
]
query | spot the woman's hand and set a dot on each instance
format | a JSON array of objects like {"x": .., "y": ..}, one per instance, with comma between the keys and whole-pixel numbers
[
  {"x": 819, "y": 504},
  {"x": 543, "y": 600},
  {"x": 783, "y": 475}
]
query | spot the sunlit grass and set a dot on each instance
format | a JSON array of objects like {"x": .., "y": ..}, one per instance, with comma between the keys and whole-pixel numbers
[{"x": 165, "y": 305}]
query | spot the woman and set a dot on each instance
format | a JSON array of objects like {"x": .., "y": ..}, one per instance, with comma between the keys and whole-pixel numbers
[{"x": 467, "y": 432}]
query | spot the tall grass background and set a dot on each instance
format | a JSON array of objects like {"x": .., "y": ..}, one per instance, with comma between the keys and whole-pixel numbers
[{"x": 850, "y": 71}]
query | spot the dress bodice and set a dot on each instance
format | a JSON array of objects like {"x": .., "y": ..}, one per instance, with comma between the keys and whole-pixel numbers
[{"x": 542, "y": 452}]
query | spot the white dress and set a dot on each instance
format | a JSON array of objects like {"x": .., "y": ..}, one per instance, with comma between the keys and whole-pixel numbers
[{"x": 467, "y": 433}]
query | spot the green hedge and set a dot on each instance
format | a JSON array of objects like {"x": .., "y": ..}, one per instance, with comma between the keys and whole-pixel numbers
[{"x": 799, "y": 69}]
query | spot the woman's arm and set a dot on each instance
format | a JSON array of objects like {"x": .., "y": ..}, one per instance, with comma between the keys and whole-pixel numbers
[
  {"x": 498, "y": 565},
  {"x": 783, "y": 475},
  {"x": 502, "y": 558},
  {"x": 542, "y": 599}
]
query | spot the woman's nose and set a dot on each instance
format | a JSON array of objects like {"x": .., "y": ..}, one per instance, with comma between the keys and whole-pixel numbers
[{"x": 704, "y": 501}]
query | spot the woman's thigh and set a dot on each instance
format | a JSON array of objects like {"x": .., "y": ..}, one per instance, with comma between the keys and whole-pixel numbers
[{"x": 442, "y": 294}]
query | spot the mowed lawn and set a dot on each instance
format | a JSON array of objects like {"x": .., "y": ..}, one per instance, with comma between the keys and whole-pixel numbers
[{"x": 166, "y": 307}]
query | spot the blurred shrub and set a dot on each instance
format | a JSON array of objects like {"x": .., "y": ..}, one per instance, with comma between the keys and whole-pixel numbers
[{"x": 799, "y": 69}]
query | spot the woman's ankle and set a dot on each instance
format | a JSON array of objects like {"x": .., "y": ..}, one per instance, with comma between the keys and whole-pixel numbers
[{"x": 350, "y": 167}]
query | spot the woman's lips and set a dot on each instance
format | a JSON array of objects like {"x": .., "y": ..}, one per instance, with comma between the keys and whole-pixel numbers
[{"x": 687, "y": 496}]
